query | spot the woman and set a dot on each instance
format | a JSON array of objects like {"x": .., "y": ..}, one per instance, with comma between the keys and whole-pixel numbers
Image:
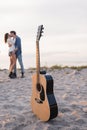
[{"x": 11, "y": 44}]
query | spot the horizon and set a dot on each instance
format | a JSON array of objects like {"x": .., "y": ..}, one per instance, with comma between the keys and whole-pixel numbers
[{"x": 64, "y": 40}]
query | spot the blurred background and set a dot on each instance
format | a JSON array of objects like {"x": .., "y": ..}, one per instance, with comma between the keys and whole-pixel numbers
[{"x": 64, "y": 40}]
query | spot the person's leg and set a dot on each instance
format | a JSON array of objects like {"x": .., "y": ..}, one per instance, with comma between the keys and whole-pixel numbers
[
  {"x": 15, "y": 71},
  {"x": 14, "y": 61},
  {"x": 21, "y": 64},
  {"x": 11, "y": 62},
  {"x": 12, "y": 65}
]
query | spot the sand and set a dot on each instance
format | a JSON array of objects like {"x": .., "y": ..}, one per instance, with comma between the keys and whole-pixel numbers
[{"x": 70, "y": 90}]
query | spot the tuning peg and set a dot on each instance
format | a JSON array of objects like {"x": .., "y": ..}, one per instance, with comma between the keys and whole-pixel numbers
[
  {"x": 42, "y": 27},
  {"x": 39, "y": 32}
]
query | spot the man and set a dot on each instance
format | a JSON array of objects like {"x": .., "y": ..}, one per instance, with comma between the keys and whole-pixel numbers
[{"x": 18, "y": 53}]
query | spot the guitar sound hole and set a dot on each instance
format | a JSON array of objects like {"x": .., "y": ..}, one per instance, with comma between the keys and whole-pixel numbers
[{"x": 38, "y": 87}]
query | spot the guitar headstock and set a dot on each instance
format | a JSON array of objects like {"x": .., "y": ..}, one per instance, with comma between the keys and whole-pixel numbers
[{"x": 39, "y": 32}]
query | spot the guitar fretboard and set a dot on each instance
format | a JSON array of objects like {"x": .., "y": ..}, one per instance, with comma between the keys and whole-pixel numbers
[{"x": 37, "y": 61}]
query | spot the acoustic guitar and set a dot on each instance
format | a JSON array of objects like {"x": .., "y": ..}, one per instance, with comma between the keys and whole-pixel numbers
[{"x": 43, "y": 101}]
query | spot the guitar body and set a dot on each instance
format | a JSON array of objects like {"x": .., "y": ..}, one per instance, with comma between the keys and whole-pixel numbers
[{"x": 43, "y": 101}]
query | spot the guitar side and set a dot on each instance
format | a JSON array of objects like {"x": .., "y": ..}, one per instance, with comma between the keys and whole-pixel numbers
[
  {"x": 43, "y": 102},
  {"x": 51, "y": 97}
]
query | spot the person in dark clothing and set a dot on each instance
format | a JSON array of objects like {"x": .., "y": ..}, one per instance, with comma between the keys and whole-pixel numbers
[{"x": 18, "y": 53}]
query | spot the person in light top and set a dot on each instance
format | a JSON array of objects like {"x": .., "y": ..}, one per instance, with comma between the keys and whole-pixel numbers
[
  {"x": 11, "y": 44},
  {"x": 18, "y": 53}
]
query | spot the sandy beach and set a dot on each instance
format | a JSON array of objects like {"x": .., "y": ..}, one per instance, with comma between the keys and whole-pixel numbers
[{"x": 70, "y": 90}]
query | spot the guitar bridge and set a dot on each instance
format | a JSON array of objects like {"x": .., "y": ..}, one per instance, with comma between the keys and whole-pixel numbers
[{"x": 38, "y": 100}]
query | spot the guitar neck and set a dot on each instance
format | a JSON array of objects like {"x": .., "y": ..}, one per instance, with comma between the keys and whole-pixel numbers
[{"x": 37, "y": 61}]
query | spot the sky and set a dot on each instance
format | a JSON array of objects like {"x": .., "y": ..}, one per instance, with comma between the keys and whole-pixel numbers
[{"x": 64, "y": 41}]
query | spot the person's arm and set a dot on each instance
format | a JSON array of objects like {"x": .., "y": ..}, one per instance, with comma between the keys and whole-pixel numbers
[
  {"x": 17, "y": 44},
  {"x": 16, "y": 49}
]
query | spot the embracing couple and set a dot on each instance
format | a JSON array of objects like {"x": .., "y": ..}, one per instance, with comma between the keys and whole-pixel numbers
[{"x": 15, "y": 52}]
